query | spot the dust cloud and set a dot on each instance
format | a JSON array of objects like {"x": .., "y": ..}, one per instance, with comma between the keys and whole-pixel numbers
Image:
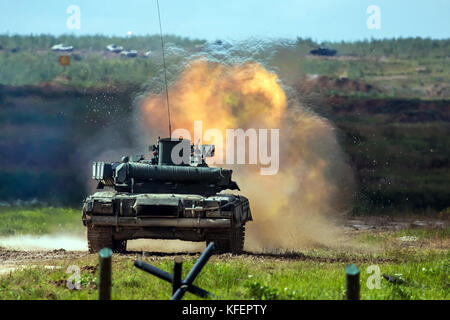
[
  {"x": 299, "y": 206},
  {"x": 44, "y": 242}
]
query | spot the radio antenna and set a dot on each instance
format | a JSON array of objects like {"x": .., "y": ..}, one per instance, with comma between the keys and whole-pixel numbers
[{"x": 164, "y": 65}]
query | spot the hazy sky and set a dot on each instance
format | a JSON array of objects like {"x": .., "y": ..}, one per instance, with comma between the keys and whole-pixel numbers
[{"x": 231, "y": 19}]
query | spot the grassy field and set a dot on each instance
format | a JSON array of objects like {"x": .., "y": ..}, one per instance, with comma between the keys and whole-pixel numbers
[
  {"x": 411, "y": 67},
  {"x": 310, "y": 275},
  {"x": 421, "y": 257},
  {"x": 91, "y": 65},
  {"x": 39, "y": 221}
]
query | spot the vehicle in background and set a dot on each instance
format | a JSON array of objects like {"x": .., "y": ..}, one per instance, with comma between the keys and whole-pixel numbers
[
  {"x": 129, "y": 54},
  {"x": 114, "y": 48},
  {"x": 323, "y": 51},
  {"x": 62, "y": 48}
]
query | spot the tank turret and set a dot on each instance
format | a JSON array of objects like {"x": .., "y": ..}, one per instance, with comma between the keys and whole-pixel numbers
[
  {"x": 172, "y": 195},
  {"x": 162, "y": 175}
]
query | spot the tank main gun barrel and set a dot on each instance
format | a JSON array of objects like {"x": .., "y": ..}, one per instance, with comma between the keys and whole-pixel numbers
[{"x": 145, "y": 172}]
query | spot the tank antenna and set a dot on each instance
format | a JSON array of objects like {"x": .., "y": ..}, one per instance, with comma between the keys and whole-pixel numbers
[{"x": 164, "y": 65}]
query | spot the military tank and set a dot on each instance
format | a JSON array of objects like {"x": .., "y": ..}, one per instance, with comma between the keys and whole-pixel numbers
[
  {"x": 158, "y": 198},
  {"x": 324, "y": 51}
]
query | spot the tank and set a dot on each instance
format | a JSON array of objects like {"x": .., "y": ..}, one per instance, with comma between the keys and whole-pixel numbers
[
  {"x": 323, "y": 51},
  {"x": 160, "y": 198}
]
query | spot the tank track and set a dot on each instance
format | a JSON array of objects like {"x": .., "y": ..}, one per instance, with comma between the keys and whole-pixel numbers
[
  {"x": 227, "y": 241},
  {"x": 102, "y": 237}
]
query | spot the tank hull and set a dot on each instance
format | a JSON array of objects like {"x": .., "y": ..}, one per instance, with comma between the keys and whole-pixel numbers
[{"x": 113, "y": 217}]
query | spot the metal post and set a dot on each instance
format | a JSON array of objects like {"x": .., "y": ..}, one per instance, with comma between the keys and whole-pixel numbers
[
  {"x": 194, "y": 272},
  {"x": 352, "y": 282},
  {"x": 177, "y": 274},
  {"x": 104, "y": 287},
  {"x": 168, "y": 277}
]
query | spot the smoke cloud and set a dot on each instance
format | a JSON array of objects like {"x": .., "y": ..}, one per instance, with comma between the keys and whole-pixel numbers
[{"x": 228, "y": 89}]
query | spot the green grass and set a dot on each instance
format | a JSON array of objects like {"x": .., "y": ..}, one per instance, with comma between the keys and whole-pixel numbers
[
  {"x": 436, "y": 234},
  {"x": 390, "y": 240},
  {"x": 88, "y": 66},
  {"x": 312, "y": 274},
  {"x": 245, "y": 277},
  {"x": 38, "y": 221},
  {"x": 396, "y": 77}
]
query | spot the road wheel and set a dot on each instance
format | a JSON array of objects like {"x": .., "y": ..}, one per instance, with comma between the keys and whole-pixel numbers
[{"x": 99, "y": 238}]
